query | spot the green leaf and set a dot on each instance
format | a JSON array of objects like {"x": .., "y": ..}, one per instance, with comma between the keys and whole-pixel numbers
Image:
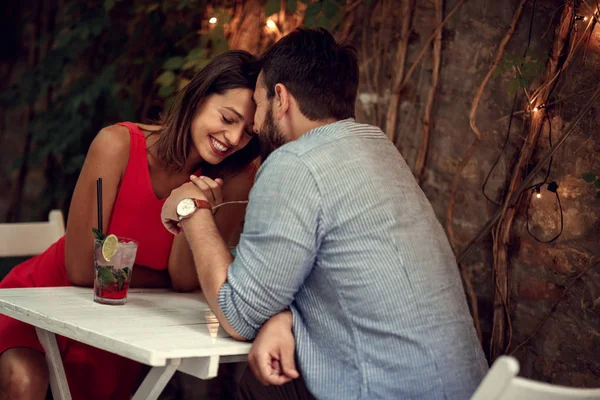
[
  {"x": 323, "y": 22},
  {"x": 120, "y": 280},
  {"x": 166, "y": 91},
  {"x": 271, "y": 7},
  {"x": 183, "y": 4},
  {"x": 173, "y": 63},
  {"x": 513, "y": 86},
  {"x": 310, "y": 15},
  {"x": 597, "y": 184},
  {"x": 166, "y": 78},
  {"x": 126, "y": 271},
  {"x": 198, "y": 52},
  {"x": 105, "y": 275},
  {"x": 98, "y": 235},
  {"x": 189, "y": 64},
  {"x": 291, "y": 6},
  {"x": 589, "y": 177},
  {"x": 330, "y": 8},
  {"x": 108, "y": 5}
]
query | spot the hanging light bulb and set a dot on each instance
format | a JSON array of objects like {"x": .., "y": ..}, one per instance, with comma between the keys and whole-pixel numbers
[
  {"x": 538, "y": 194},
  {"x": 212, "y": 21},
  {"x": 271, "y": 25}
]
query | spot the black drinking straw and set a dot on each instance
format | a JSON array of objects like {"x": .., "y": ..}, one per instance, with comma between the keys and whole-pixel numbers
[{"x": 99, "y": 200}]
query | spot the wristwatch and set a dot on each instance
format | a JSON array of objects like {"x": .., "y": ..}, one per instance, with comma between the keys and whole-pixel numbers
[{"x": 188, "y": 206}]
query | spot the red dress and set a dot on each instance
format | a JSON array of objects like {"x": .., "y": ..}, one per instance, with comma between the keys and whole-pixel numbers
[{"x": 94, "y": 373}]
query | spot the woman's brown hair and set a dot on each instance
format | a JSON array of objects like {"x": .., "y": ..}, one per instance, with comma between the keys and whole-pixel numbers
[{"x": 231, "y": 70}]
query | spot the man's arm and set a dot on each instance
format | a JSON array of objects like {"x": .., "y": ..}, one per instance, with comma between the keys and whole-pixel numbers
[
  {"x": 276, "y": 250},
  {"x": 212, "y": 259},
  {"x": 278, "y": 246}
]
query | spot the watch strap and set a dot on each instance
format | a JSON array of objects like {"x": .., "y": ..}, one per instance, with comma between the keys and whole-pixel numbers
[{"x": 202, "y": 204}]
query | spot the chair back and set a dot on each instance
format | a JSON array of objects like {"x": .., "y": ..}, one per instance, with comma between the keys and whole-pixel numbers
[
  {"x": 23, "y": 239},
  {"x": 502, "y": 383}
]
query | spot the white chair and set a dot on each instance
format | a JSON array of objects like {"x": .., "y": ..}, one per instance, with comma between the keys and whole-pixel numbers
[
  {"x": 502, "y": 383},
  {"x": 22, "y": 239}
]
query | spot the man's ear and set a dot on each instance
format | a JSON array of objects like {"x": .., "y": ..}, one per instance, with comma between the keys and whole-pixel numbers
[{"x": 282, "y": 100}]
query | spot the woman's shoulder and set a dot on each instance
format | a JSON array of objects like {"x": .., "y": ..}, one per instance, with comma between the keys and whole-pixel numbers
[{"x": 112, "y": 140}]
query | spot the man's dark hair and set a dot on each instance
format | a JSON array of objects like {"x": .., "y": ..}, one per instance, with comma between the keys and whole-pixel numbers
[{"x": 320, "y": 73}]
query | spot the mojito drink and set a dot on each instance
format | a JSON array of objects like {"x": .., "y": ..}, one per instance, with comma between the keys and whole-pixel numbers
[{"x": 113, "y": 265}]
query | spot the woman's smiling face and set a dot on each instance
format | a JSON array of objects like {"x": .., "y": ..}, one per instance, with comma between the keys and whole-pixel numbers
[{"x": 223, "y": 125}]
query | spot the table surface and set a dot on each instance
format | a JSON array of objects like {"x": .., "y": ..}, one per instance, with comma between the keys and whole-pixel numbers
[{"x": 154, "y": 326}]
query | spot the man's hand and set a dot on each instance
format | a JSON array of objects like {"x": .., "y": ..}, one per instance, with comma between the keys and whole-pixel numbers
[
  {"x": 202, "y": 188},
  {"x": 271, "y": 357}
]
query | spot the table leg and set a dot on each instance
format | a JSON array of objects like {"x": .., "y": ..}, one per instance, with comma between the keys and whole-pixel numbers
[
  {"x": 156, "y": 380},
  {"x": 200, "y": 367},
  {"x": 58, "y": 379}
]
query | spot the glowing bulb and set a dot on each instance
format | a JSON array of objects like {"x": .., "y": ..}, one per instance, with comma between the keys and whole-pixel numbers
[
  {"x": 585, "y": 19},
  {"x": 271, "y": 24},
  {"x": 212, "y": 21},
  {"x": 538, "y": 108},
  {"x": 538, "y": 195}
]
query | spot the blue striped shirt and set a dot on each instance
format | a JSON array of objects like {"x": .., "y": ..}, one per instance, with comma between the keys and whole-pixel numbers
[{"x": 338, "y": 229}]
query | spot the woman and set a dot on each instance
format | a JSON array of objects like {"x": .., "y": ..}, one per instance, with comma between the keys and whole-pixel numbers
[{"x": 208, "y": 130}]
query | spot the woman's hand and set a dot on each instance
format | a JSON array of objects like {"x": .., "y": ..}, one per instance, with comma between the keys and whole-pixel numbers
[
  {"x": 201, "y": 188},
  {"x": 212, "y": 189}
]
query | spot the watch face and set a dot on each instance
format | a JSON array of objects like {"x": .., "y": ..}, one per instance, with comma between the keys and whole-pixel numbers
[{"x": 185, "y": 207}]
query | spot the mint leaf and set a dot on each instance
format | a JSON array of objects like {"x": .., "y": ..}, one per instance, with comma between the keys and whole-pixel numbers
[
  {"x": 105, "y": 275},
  {"x": 127, "y": 272},
  {"x": 98, "y": 235},
  {"x": 120, "y": 279}
]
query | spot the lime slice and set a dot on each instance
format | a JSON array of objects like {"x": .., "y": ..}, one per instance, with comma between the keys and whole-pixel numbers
[{"x": 109, "y": 247}]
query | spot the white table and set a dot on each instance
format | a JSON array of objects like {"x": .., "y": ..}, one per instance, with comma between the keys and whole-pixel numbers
[{"x": 166, "y": 330}]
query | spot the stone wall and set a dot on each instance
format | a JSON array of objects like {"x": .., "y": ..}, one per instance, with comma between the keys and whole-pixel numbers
[{"x": 566, "y": 348}]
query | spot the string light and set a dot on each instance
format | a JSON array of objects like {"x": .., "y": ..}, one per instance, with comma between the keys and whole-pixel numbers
[
  {"x": 271, "y": 25},
  {"x": 212, "y": 21},
  {"x": 539, "y": 107},
  {"x": 581, "y": 18},
  {"x": 552, "y": 187}
]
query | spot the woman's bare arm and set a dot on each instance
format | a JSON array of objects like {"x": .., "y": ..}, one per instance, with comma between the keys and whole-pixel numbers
[{"x": 107, "y": 158}]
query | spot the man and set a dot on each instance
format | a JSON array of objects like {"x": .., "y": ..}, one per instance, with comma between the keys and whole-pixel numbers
[{"x": 338, "y": 231}]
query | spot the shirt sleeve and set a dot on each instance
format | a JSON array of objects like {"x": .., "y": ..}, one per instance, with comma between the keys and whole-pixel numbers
[{"x": 277, "y": 248}]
